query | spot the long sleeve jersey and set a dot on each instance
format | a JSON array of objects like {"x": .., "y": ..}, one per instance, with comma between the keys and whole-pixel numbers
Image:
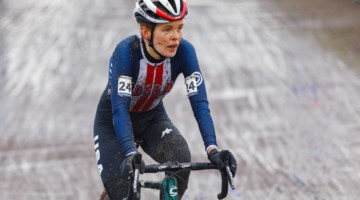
[{"x": 137, "y": 83}]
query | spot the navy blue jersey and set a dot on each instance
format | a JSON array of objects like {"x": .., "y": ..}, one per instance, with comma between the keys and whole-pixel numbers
[{"x": 137, "y": 84}]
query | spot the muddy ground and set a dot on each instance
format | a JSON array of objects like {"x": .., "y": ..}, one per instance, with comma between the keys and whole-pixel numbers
[{"x": 282, "y": 79}]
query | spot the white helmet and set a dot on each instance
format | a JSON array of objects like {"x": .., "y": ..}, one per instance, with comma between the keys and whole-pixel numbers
[{"x": 160, "y": 11}]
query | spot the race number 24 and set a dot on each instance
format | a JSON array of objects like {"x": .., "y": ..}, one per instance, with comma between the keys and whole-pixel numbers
[{"x": 124, "y": 86}]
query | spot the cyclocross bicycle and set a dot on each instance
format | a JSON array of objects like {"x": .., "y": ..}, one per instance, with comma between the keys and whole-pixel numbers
[{"x": 169, "y": 183}]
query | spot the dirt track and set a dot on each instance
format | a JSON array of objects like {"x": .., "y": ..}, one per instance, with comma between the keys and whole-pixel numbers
[{"x": 283, "y": 84}]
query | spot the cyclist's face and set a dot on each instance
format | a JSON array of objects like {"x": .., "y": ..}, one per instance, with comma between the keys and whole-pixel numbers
[{"x": 167, "y": 37}]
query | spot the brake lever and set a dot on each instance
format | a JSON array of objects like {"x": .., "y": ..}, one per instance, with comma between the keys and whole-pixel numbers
[
  {"x": 136, "y": 180},
  {"x": 230, "y": 177},
  {"x": 226, "y": 180},
  {"x": 137, "y": 166}
]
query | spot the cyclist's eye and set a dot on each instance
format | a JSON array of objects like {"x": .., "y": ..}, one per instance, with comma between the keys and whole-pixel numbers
[{"x": 166, "y": 29}]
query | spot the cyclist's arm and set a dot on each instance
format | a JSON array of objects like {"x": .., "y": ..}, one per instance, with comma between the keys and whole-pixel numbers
[
  {"x": 120, "y": 78},
  {"x": 198, "y": 99}
]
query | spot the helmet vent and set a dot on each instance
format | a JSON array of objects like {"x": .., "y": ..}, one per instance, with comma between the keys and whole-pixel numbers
[
  {"x": 172, "y": 3},
  {"x": 161, "y": 7}
]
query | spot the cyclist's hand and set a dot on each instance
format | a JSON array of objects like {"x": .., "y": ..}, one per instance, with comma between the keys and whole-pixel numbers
[
  {"x": 219, "y": 159},
  {"x": 127, "y": 167}
]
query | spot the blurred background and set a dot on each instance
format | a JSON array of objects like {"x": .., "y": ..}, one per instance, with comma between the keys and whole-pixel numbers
[{"x": 282, "y": 79}]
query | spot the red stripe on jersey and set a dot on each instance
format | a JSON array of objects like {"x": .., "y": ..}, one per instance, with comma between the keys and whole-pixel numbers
[
  {"x": 156, "y": 87},
  {"x": 149, "y": 95},
  {"x": 149, "y": 80}
]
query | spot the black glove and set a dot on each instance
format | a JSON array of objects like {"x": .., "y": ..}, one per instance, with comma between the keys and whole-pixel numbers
[
  {"x": 127, "y": 166},
  {"x": 220, "y": 158}
]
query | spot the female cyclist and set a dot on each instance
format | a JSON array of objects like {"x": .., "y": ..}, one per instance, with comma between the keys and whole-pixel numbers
[{"x": 130, "y": 113}]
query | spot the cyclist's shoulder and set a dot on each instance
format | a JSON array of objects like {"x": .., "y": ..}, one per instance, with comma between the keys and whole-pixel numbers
[
  {"x": 185, "y": 45},
  {"x": 185, "y": 51},
  {"x": 127, "y": 49},
  {"x": 129, "y": 43}
]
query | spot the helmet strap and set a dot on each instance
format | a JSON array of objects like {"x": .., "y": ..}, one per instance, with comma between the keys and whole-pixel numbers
[{"x": 151, "y": 43}]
